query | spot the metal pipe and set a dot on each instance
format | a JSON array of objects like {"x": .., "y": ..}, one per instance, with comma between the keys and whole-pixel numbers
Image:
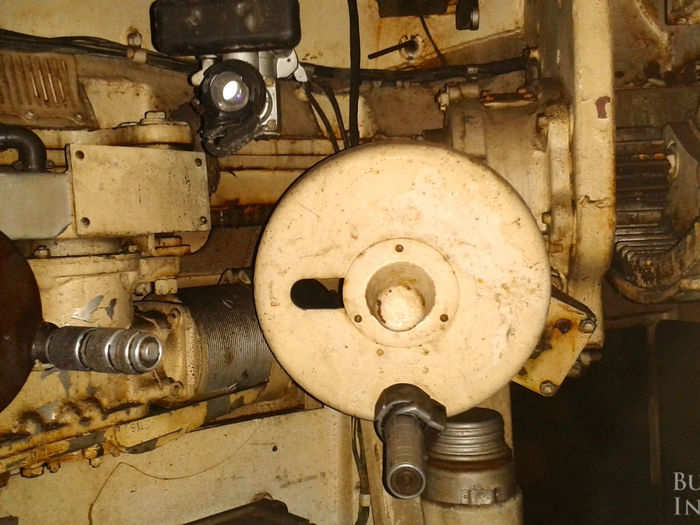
[
  {"x": 402, "y": 416},
  {"x": 90, "y": 349},
  {"x": 32, "y": 152},
  {"x": 404, "y": 445}
]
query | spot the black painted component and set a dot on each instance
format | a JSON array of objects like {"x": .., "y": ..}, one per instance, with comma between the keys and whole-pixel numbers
[
  {"x": 234, "y": 352},
  {"x": 20, "y": 305},
  {"x": 263, "y": 512},
  {"x": 411, "y": 45},
  {"x": 393, "y": 8},
  {"x": 209, "y": 27},
  {"x": 227, "y": 127},
  {"x": 31, "y": 151},
  {"x": 467, "y": 15}
]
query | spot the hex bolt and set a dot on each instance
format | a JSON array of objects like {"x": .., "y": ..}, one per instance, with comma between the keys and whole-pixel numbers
[
  {"x": 143, "y": 289},
  {"x": 587, "y": 326},
  {"x": 33, "y": 471},
  {"x": 42, "y": 252},
  {"x": 134, "y": 39},
  {"x": 177, "y": 389},
  {"x": 174, "y": 316},
  {"x": 547, "y": 388}
]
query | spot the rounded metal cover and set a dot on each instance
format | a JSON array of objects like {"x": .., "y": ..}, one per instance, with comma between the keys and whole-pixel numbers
[
  {"x": 393, "y": 215},
  {"x": 19, "y": 322}
]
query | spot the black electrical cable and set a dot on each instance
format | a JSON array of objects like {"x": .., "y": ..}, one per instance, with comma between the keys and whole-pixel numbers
[
  {"x": 330, "y": 94},
  {"x": 355, "y": 76},
  {"x": 361, "y": 463},
  {"x": 467, "y": 71},
  {"x": 326, "y": 123},
  {"x": 439, "y": 54},
  {"x": 87, "y": 45}
]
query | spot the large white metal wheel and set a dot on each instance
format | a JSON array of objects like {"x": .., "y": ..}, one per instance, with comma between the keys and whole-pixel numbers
[{"x": 446, "y": 277}]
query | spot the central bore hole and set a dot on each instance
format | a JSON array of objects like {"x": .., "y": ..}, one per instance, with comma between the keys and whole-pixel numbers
[{"x": 400, "y": 296}]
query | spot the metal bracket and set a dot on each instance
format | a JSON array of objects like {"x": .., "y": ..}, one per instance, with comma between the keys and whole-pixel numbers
[{"x": 568, "y": 329}]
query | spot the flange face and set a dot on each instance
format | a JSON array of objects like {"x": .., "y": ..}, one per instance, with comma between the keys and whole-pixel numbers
[
  {"x": 446, "y": 280},
  {"x": 400, "y": 292}
]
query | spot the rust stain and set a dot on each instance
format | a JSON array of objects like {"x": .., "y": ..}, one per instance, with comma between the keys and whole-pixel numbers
[
  {"x": 299, "y": 481},
  {"x": 601, "y": 106}
]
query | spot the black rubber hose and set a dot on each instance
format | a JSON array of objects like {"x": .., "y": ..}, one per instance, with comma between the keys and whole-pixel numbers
[
  {"x": 439, "y": 54},
  {"x": 324, "y": 118},
  {"x": 355, "y": 79},
  {"x": 31, "y": 151},
  {"x": 330, "y": 94}
]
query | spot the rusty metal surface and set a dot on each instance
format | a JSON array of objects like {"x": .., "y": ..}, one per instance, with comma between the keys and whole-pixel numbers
[
  {"x": 656, "y": 241},
  {"x": 227, "y": 248},
  {"x": 652, "y": 38},
  {"x": 201, "y": 473},
  {"x": 143, "y": 432},
  {"x": 42, "y": 88},
  {"x": 569, "y": 327},
  {"x": 683, "y": 11},
  {"x": 21, "y": 316}
]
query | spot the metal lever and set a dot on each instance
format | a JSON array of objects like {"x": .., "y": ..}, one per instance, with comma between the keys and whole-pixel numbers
[
  {"x": 403, "y": 416},
  {"x": 410, "y": 45}
]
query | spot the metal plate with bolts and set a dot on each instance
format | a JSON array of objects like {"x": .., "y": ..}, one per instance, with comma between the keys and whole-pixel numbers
[
  {"x": 568, "y": 330},
  {"x": 131, "y": 191},
  {"x": 446, "y": 277}
]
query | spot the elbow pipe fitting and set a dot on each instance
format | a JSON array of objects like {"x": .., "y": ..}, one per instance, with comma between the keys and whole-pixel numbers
[{"x": 31, "y": 150}]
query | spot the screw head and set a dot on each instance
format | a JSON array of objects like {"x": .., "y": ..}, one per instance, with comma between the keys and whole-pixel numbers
[
  {"x": 547, "y": 388},
  {"x": 174, "y": 316},
  {"x": 587, "y": 326},
  {"x": 42, "y": 252}
]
